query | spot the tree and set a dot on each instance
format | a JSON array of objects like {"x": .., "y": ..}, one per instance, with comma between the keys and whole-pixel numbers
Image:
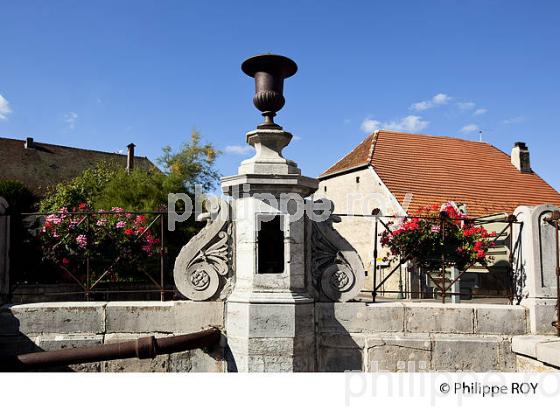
[
  {"x": 192, "y": 165},
  {"x": 108, "y": 185}
]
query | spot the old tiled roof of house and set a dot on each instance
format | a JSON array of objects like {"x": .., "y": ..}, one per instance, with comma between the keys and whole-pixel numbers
[
  {"x": 437, "y": 169},
  {"x": 44, "y": 165}
]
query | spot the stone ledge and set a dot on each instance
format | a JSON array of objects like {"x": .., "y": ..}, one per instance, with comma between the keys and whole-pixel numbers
[
  {"x": 110, "y": 317},
  {"x": 501, "y": 320},
  {"x": 545, "y": 349},
  {"x": 357, "y": 317},
  {"x": 421, "y": 317},
  {"x": 163, "y": 317},
  {"x": 549, "y": 353},
  {"x": 57, "y": 317}
]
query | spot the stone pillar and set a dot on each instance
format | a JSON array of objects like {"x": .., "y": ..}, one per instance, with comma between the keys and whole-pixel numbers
[
  {"x": 269, "y": 314},
  {"x": 4, "y": 251},
  {"x": 536, "y": 260}
]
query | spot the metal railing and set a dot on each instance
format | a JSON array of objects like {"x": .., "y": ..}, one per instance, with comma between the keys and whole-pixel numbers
[
  {"x": 555, "y": 220},
  {"x": 92, "y": 282},
  {"x": 443, "y": 286}
]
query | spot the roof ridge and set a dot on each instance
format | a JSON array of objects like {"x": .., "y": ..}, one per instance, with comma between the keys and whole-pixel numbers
[
  {"x": 347, "y": 154},
  {"x": 433, "y": 136},
  {"x": 69, "y": 147}
]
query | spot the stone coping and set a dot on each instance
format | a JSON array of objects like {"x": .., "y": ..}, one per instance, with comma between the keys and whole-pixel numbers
[
  {"x": 419, "y": 317},
  {"x": 110, "y": 317},
  {"x": 545, "y": 349}
]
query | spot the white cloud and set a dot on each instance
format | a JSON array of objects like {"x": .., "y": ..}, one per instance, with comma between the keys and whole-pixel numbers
[
  {"x": 410, "y": 123},
  {"x": 5, "y": 108},
  {"x": 438, "y": 99},
  {"x": 514, "y": 120},
  {"x": 369, "y": 125},
  {"x": 296, "y": 138},
  {"x": 480, "y": 111},
  {"x": 422, "y": 106},
  {"x": 441, "y": 98},
  {"x": 71, "y": 118},
  {"x": 466, "y": 106},
  {"x": 238, "y": 149},
  {"x": 469, "y": 128}
]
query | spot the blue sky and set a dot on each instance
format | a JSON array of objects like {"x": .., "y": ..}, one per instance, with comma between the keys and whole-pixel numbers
[{"x": 101, "y": 74}]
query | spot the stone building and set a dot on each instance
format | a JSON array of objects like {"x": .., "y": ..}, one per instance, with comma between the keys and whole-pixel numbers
[
  {"x": 39, "y": 165},
  {"x": 400, "y": 173}
]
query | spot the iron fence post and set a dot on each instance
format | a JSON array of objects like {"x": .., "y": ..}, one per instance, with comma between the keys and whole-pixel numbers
[
  {"x": 161, "y": 256},
  {"x": 558, "y": 275},
  {"x": 375, "y": 253},
  {"x": 442, "y": 230},
  {"x": 87, "y": 259}
]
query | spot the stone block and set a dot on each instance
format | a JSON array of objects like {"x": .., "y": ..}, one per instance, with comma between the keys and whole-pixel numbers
[
  {"x": 541, "y": 314},
  {"x": 163, "y": 317},
  {"x": 50, "y": 342},
  {"x": 343, "y": 340},
  {"x": 56, "y": 317},
  {"x": 359, "y": 317},
  {"x": 527, "y": 345},
  {"x": 395, "y": 353},
  {"x": 549, "y": 352},
  {"x": 438, "y": 318},
  {"x": 158, "y": 364},
  {"x": 500, "y": 320},
  {"x": 269, "y": 319},
  {"x": 453, "y": 353},
  {"x": 340, "y": 360}
]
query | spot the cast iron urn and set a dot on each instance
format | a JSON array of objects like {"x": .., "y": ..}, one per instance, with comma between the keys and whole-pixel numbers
[{"x": 269, "y": 72}]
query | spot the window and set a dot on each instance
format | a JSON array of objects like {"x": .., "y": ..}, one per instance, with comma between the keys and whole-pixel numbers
[
  {"x": 270, "y": 243},
  {"x": 325, "y": 188},
  {"x": 357, "y": 180}
]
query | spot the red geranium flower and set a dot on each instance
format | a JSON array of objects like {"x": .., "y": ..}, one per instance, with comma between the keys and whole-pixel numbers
[{"x": 129, "y": 232}]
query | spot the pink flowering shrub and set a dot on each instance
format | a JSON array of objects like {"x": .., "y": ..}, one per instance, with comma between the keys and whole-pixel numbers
[
  {"x": 419, "y": 238},
  {"x": 68, "y": 238}
]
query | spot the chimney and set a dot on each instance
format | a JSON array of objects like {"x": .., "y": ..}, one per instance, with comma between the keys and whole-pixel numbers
[
  {"x": 520, "y": 157},
  {"x": 29, "y": 144},
  {"x": 130, "y": 157}
]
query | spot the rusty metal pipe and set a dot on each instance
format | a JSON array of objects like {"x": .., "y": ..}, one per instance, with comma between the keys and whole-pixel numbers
[{"x": 142, "y": 348}]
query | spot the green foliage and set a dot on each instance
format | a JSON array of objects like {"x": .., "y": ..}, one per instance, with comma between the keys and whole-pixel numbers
[
  {"x": 108, "y": 185},
  {"x": 135, "y": 191},
  {"x": 19, "y": 197},
  {"x": 192, "y": 165},
  {"x": 85, "y": 188}
]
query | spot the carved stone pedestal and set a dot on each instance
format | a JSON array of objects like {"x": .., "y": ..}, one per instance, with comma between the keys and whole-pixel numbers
[{"x": 269, "y": 315}]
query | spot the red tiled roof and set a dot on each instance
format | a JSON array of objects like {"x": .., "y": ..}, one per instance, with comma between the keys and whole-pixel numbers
[{"x": 438, "y": 169}]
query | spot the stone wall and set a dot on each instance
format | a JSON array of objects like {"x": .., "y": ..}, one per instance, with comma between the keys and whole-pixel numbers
[
  {"x": 385, "y": 336},
  {"x": 51, "y": 326},
  {"x": 396, "y": 336}
]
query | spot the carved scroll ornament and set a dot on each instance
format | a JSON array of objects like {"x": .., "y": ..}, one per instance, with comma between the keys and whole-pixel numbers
[
  {"x": 203, "y": 268},
  {"x": 337, "y": 269}
]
